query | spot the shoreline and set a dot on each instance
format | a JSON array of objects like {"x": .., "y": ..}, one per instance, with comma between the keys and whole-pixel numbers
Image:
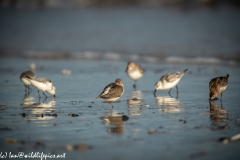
[{"x": 115, "y": 56}]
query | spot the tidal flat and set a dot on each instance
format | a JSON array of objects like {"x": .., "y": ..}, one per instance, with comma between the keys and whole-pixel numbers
[{"x": 140, "y": 126}]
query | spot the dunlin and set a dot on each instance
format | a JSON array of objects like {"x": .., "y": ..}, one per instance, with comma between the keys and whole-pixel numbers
[
  {"x": 134, "y": 71},
  {"x": 170, "y": 80},
  {"x": 113, "y": 91},
  {"x": 217, "y": 86}
]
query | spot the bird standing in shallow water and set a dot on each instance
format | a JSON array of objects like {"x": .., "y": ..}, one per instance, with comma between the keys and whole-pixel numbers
[
  {"x": 168, "y": 81},
  {"x": 113, "y": 91},
  {"x": 134, "y": 71},
  {"x": 25, "y": 80},
  {"x": 43, "y": 84},
  {"x": 217, "y": 86}
]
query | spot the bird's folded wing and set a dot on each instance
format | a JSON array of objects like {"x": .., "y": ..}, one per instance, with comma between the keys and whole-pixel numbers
[
  {"x": 141, "y": 69},
  {"x": 212, "y": 82},
  {"x": 114, "y": 91},
  {"x": 171, "y": 77},
  {"x": 41, "y": 79},
  {"x": 107, "y": 89}
]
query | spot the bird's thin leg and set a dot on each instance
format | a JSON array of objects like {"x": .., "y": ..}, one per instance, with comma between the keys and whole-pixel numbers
[
  {"x": 111, "y": 111},
  {"x": 25, "y": 87},
  {"x": 177, "y": 88},
  {"x": 38, "y": 93},
  {"x": 39, "y": 100},
  {"x": 110, "y": 104},
  {"x": 28, "y": 89},
  {"x": 134, "y": 85},
  {"x": 169, "y": 91},
  {"x": 221, "y": 97},
  {"x": 170, "y": 94},
  {"x": 45, "y": 99},
  {"x": 44, "y": 94}
]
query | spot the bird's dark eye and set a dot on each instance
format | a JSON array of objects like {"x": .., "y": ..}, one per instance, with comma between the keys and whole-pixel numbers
[{"x": 50, "y": 81}]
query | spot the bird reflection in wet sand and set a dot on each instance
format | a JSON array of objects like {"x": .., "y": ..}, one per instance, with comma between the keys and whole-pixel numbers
[
  {"x": 169, "y": 104},
  {"x": 112, "y": 118},
  {"x": 218, "y": 115},
  {"x": 40, "y": 111},
  {"x": 28, "y": 101},
  {"x": 134, "y": 103}
]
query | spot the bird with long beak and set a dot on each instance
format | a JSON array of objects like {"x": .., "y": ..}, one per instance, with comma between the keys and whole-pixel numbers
[
  {"x": 169, "y": 80},
  {"x": 43, "y": 84}
]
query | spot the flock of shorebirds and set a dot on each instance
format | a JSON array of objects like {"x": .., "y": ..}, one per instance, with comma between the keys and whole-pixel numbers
[{"x": 114, "y": 91}]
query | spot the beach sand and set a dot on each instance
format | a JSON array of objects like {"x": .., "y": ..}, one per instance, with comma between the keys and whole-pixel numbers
[{"x": 162, "y": 127}]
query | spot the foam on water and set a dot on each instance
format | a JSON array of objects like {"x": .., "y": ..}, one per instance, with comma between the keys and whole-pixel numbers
[{"x": 115, "y": 56}]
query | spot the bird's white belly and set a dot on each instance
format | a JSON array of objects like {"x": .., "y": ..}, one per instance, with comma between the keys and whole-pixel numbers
[
  {"x": 135, "y": 75},
  {"x": 41, "y": 86},
  {"x": 168, "y": 85},
  {"x": 113, "y": 99},
  {"x": 222, "y": 89},
  {"x": 25, "y": 81}
]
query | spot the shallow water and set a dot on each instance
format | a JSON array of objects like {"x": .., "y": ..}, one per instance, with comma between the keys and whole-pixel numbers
[{"x": 185, "y": 127}]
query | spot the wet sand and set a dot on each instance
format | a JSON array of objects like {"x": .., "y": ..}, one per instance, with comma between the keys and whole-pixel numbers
[{"x": 162, "y": 127}]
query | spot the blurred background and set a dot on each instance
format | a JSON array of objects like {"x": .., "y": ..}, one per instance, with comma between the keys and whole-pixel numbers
[
  {"x": 178, "y": 31},
  {"x": 185, "y": 4}
]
